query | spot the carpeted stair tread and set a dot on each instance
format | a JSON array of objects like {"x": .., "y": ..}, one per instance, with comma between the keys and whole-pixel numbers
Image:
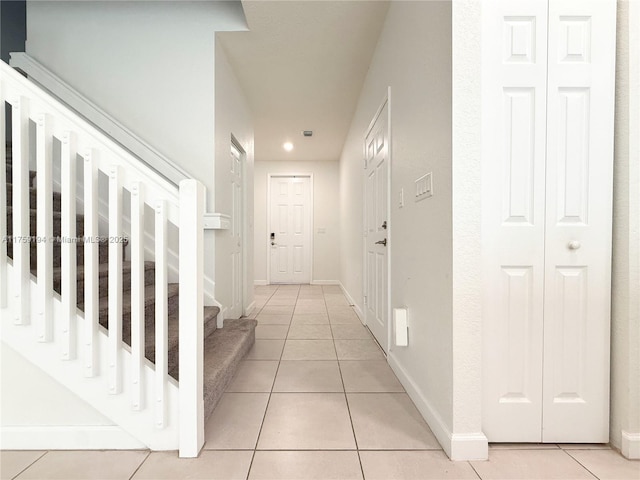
[
  {"x": 224, "y": 349},
  {"x": 57, "y": 222},
  {"x": 33, "y": 197}
]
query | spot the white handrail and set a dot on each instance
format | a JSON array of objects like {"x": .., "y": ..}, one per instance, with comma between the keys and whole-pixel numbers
[{"x": 97, "y": 116}]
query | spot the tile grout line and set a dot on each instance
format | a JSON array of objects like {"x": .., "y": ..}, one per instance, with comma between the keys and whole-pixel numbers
[
  {"x": 264, "y": 416},
  {"x": 578, "y": 462},
  {"x": 146, "y": 458},
  {"x": 31, "y": 464}
]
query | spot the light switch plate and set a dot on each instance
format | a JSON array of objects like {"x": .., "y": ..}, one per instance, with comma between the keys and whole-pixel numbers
[{"x": 424, "y": 186}]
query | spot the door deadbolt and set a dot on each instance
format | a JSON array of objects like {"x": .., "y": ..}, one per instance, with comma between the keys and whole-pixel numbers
[{"x": 384, "y": 225}]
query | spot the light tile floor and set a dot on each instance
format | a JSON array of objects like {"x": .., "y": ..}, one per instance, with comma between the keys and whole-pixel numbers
[{"x": 315, "y": 399}]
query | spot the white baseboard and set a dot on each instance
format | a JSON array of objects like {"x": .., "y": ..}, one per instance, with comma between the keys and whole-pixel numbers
[
  {"x": 250, "y": 307},
  {"x": 260, "y": 283},
  {"x": 469, "y": 446},
  {"x": 630, "y": 447},
  {"x": 352, "y": 302},
  {"x": 77, "y": 437},
  {"x": 325, "y": 282},
  {"x": 460, "y": 447}
]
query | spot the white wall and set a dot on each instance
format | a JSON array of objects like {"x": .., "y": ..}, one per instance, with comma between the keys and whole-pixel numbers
[
  {"x": 625, "y": 320},
  {"x": 40, "y": 412},
  {"x": 326, "y": 208},
  {"x": 413, "y": 57},
  {"x": 232, "y": 117},
  {"x": 150, "y": 65}
]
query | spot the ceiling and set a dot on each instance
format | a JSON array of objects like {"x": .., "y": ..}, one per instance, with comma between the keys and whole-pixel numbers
[{"x": 302, "y": 66}]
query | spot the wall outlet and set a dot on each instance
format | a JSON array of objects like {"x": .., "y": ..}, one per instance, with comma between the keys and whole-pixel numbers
[{"x": 424, "y": 186}]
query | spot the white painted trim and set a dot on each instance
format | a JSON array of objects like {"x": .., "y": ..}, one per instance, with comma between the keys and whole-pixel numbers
[
  {"x": 352, "y": 302},
  {"x": 431, "y": 416},
  {"x": 311, "y": 225},
  {"x": 249, "y": 308},
  {"x": 630, "y": 447},
  {"x": 324, "y": 282},
  {"x": 260, "y": 283},
  {"x": 44, "y": 77},
  {"x": 469, "y": 446},
  {"x": 75, "y": 437}
]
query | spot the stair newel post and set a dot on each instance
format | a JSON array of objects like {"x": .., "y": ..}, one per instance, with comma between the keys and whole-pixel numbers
[
  {"x": 21, "y": 220},
  {"x": 115, "y": 282},
  {"x": 191, "y": 304},
  {"x": 68, "y": 239},
  {"x": 44, "y": 229},
  {"x": 3, "y": 202},
  {"x": 137, "y": 296},
  {"x": 161, "y": 311},
  {"x": 90, "y": 327}
]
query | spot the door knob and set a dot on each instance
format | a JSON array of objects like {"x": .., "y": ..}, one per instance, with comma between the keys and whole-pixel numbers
[
  {"x": 574, "y": 245},
  {"x": 382, "y": 242}
]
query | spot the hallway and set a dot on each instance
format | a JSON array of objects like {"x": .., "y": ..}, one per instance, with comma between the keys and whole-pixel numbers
[{"x": 315, "y": 399}]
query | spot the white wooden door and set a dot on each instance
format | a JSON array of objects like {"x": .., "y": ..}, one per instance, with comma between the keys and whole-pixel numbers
[
  {"x": 547, "y": 189},
  {"x": 290, "y": 229},
  {"x": 513, "y": 206},
  {"x": 237, "y": 222},
  {"x": 377, "y": 226},
  {"x": 580, "y": 114}
]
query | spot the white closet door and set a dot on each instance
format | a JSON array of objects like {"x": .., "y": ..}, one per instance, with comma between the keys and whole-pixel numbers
[
  {"x": 578, "y": 230},
  {"x": 513, "y": 164}
]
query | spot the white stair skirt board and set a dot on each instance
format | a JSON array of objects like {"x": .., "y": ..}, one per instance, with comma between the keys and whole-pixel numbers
[
  {"x": 630, "y": 447},
  {"x": 75, "y": 437},
  {"x": 458, "y": 447}
]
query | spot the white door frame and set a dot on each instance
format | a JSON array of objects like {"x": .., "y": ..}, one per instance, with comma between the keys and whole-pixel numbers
[
  {"x": 244, "y": 228},
  {"x": 385, "y": 101},
  {"x": 268, "y": 240}
]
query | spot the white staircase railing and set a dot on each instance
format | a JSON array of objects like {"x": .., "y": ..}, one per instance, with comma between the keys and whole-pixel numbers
[{"x": 46, "y": 327}]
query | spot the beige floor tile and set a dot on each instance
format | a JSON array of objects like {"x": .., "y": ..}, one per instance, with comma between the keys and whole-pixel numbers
[
  {"x": 389, "y": 421},
  {"x": 331, "y": 289},
  {"x": 297, "y": 465},
  {"x": 85, "y": 465},
  {"x": 273, "y": 319},
  {"x": 358, "y": 350},
  {"x": 530, "y": 465},
  {"x": 309, "y": 350},
  {"x": 307, "y": 421},
  {"x": 336, "y": 299},
  {"x": 12, "y": 462},
  {"x": 314, "y": 302},
  {"x": 310, "y": 332},
  {"x": 308, "y": 376},
  {"x": 350, "y": 332},
  {"x": 583, "y": 446},
  {"x": 262, "y": 289},
  {"x": 282, "y": 300},
  {"x": 607, "y": 464},
  {"x": 343, "y": 315},
  {"x": 369, "y": 376},
  {"x": 210, "y": 465},
  {"x": 310, "y": 309},
  {"x": 236, "y": 421},
  {"x": 277, "y": 310},
  {"x": 414, "y": 465},
  {"x": 316, "y": 319},
  {"x": 265, "y": 350},
  {"x": 271, "y": 332},
  {"x": 254, "y": 376}
]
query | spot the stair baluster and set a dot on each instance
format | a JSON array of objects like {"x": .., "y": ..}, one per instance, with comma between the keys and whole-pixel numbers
[
  {"x": 162, "y": 341},
  {"x": 91, "y": 282},
  {"x": 21, "y": 220},
  {"x": 137, "y": 296}
]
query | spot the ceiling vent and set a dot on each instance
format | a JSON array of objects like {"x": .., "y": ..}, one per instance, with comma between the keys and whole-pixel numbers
[{"x": 307, "y": 133}]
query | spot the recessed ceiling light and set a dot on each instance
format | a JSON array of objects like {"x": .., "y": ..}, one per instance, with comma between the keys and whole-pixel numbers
[{"x": 288, "y": 146}]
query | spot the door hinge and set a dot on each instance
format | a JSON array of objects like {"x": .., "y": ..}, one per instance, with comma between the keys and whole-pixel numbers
[{"x": 365, "y": 299}]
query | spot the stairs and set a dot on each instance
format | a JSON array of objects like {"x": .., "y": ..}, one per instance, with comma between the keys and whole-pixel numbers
[{"x": 223, "y": 348}]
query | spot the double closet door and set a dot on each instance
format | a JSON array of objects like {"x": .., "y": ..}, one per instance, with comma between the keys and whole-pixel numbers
[{"x": 548, "y": 104}]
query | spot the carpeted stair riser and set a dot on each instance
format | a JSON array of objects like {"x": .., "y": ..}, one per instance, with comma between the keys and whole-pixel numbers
[
  {"x": 223, "y": 349},
  {"x": 33, "y": 198}
]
